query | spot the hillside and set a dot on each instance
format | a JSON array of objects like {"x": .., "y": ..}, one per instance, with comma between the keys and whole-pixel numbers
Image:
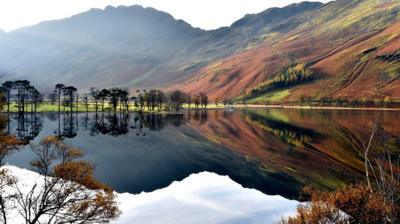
[
  {"x": 132, "y": 47},
  {"x": 346, "y": 49},
  {"x": 351, "y": 47},
  {"x": 101, "y": 47}
]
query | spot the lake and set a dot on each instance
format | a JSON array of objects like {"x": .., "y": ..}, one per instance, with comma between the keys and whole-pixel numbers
[{"x": 274, "y": 151}]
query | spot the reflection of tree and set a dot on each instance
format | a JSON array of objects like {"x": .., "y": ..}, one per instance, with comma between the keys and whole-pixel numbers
[
  {"x": 200, "y": 116},
  {"x": 8, "y": 143},
  {"x": 28, "y": 127},
  {"x": 118, "y": 125},
  {"x": 138, "y": 124},
  {"x": 288, "y": 133},
  {"x": 68, "y": 128},
  {"x": 115, "y": 125},
  {"x": 84, "y": 122}
]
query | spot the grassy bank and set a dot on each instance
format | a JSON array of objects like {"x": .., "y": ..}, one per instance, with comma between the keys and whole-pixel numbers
[
  {"x": 53, "y": 108},
  {"x": 50, "y": 108}
]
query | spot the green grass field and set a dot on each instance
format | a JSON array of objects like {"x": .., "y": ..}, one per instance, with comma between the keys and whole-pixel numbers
[
  {"x": 271, "y": 97},
  {"x": 49, "y": 108}
]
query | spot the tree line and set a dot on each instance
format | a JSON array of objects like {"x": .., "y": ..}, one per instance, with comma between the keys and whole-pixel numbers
[
  {"x": 294, "y": 75},
  {"x": 27, "y": 97},
  {"x": 116, "y": 99}
]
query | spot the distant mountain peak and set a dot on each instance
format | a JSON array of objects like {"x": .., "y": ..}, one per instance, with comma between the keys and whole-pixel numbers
[{"x": 275, "y": 14}]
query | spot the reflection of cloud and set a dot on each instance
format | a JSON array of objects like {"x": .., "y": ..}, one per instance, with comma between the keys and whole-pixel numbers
[
  {"x": 200, "y": 198},
  {"x": 204, "y": 198}
]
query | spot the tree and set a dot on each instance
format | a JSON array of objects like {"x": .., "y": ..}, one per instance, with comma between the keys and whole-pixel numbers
[
  {"x": 23, "y": 89},
  {"x": 114, "y": 95},
  {"x": 94, "y": 93},
  {"x": 124, "y": 99},
  {"x": 58, "y": 90},
  {"x": 36, "y": 98},
  {"x": 189, "y": 99},
  {"x": 52, "y": 98},
  {"x": 85, "y": 100},
  {"x": 66, "y": 192},
  {"x": 69, "y": 95},
  {"x": 216, "y": 102},
  {"x": 177, "y": 99},
  {"x": 103, "y": 95},
  {"x": 203, "y": 99},
  {"x": 155, "y": 99},
  {"x": 160, "y": 99},
  {"x": 7, "y": 86},
  {"x": 140, "y": 99},
  {"x": 196, "y": 101}
]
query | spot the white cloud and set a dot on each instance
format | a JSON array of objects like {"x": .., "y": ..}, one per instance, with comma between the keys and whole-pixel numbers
[{"x": 207, "y": 14}]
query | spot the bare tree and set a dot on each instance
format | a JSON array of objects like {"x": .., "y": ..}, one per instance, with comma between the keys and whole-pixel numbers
[
  {"x": 6, "y": 199},
  {"x": 382, "y": 168},
  {"x": 66, "y": 191}
]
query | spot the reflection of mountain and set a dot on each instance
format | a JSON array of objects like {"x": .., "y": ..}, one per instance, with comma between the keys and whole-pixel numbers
[
  {"x": 317, "y": 148},
  {"x": 132, "y": 163},
  {"x": 274, "y": 151}
]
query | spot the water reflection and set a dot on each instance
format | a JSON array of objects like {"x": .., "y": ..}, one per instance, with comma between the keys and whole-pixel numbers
[
  {"x": 274, "y": 151},
  {"x": 28, "y": 126}
]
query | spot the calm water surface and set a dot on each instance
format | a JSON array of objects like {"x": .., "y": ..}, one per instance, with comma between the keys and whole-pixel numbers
[{"x": 275, "y": 151}]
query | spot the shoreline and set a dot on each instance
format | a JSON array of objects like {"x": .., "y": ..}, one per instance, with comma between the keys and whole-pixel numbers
[
  {"x": 321, "y": 107},
  {"x": 238, "y": 106}
]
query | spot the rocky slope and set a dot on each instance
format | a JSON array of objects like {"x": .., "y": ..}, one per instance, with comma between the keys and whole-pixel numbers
[{"x": 351, "y": 46}]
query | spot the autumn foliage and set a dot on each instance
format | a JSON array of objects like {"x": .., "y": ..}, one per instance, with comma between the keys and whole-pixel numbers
[
  {"x": 66, "y": 192},
  {"x": 377, "y": 200},
  {"x": 350, "y": 204}
]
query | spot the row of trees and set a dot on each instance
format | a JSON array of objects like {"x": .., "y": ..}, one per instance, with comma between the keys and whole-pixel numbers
[
  {"x": 24, "y": 93},
  {"x": 294, "y": 75},
  {"x": 68, "y": 99},
  {"x": 118, "y": 98},
  {"x": 342, "y": 101}
]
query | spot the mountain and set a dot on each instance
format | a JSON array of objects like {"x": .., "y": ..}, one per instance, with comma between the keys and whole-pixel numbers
[
  {"x": 132, "y": 47},
  {"x": 351, "y": 47},
  {"x": 101, "y": 47},
  {"x": 347, "y": 49}
]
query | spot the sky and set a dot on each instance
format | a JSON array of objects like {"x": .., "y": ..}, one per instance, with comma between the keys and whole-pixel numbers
[{"x": 205, "y": 14}]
